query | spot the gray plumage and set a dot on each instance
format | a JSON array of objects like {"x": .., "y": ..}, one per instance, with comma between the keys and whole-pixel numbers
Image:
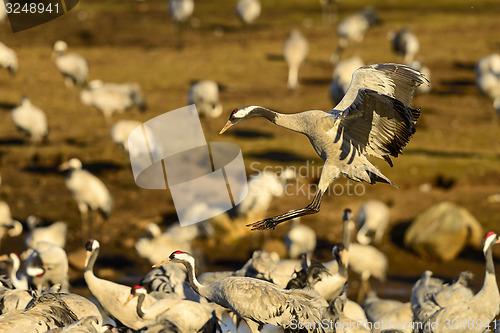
[
  {"x": 457, "y": 291},
  {"x": 47, "y": 266},
  {"x": 405, "y": 43},
  {"x": 8, "y": 57},
  {"x": 180, "y": 10},
  {"x": 43, "y": 313},
  {"x": 205, "y": 95},
  {"x": 121, "y": 130},
  {"x": 337, "y": 312},
  {"x": 372, "y": 221},
  {"x": 365, "y": 260},
  {"x": 488, "y": 78},
  {"x": 14, "y": 300},
  {"x": 111, "y": 98},
  {"x": 18, "y": 278},
  {"x": 248, "y": 10},
  {"x": 263, "y": 187},
  {"x": 31, "y": 120},
  {"x": 112, "y": 296},
  {"x": 482, "y": 307},
  {"x": 331, "y": 286},
  {"x": 295, "y": 51},
  {"x": 373, "y": 118},
  {"x": 353, "y": 28},
  {"x": 87, "y": 190},
  {"x": 8, "y": 225},
  {"x": 73, "y": 67},
  {"x": 87, "y": 324},
  {"x": 315, "y": 275},
  {"x": 424, "y": 286},
  {"x": 154, "y": 243},
  {"x": 187, "y": 316},
  {"x": 390, "y": 312},
  {"x": 430, "y": 294},
  {"x": 255, "y": 301},
  {"x": 422, "y": 68},
  {"x": 299, "y": 239},
  {"x": 54, "y": 233},
  {"x": 171, "y": 280},
  {"x": 342, "y": 75}
]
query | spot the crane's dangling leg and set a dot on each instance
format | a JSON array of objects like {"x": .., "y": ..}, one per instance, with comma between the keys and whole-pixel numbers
[
  {"x": 272, "y": 222},
  {"x": 329, "y": 173}
]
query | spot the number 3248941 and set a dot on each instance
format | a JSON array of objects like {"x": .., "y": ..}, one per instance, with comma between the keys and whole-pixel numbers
[{"x": 31, "y": 8}]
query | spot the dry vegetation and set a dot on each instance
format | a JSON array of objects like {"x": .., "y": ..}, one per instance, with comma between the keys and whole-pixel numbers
[{"x": 457, "y": 139}]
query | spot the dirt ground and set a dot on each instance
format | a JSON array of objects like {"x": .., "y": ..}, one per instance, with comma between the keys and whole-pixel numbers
[{"x": 456, "y": 143}]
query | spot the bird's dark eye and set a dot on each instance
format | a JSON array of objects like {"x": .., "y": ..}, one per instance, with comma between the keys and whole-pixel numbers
[
  {"x": 234, "y": 112},
  {"x": 88, "y": 246}
]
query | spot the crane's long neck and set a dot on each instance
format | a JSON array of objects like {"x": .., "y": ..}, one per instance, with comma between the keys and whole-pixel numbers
[
  {"x": 489, "y": 296},
  {"x": 90, "y": 262},
  {"x": 140, "y": 300},
  {"x": 490, "y": 277},
  {"x": 289, "y": 121},
  {"x": 19, "y": 283},
  {"x": 346, "y": 232},
  {"x": 193, "y": 281}
]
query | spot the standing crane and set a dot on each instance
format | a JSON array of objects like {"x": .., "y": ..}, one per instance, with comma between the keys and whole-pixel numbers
[
  {"x": 180, "y": 11},
  {"x": 89, "y": 192},
  {"x": 31, "y": 120},
  {"x": 73, "y": 67},
  {"x": 8, "y": 57},
  {"x": 257, "y": 302},
  {"x": 295, "y": 52},
  {"x": 112, "y": 296}
]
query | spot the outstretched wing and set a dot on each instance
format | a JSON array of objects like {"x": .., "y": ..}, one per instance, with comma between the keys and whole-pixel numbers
[
  {"x": 395, "y": 80},
  {"x": 377, "y": 124}
]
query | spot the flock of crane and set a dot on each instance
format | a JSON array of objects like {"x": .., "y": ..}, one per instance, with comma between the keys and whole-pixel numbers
[
  {"x": 267, "y": 294},
  {"x": 372, "y": 116}
]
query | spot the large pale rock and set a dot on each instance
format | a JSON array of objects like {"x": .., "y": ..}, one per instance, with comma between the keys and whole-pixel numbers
[{"x": 442, "y": 231}]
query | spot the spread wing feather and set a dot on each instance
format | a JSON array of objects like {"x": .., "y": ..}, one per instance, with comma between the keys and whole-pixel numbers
[
  {"x": 395, "y": 80},
  {"x": 378, "y": 124}
]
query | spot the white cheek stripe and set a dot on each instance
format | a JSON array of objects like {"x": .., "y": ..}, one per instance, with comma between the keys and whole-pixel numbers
[
  {"x": 244, "y": 112},
  {"x": 488, "y": 242}
]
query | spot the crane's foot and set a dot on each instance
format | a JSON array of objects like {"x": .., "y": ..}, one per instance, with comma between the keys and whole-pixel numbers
[
  {"x": 272, "y": 222},
  {"x": 269, "y": 223}
]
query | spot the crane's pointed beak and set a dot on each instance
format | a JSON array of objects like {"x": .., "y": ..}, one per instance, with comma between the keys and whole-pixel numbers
[
  {"x": 161, "y": 263},
  {"x": 228, "y": 124},
  {"x": 129, "y": 298}
]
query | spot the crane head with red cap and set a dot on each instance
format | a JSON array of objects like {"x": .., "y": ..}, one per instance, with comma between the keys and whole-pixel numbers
[
  {"x": 177, "y": 257},
  {"x": 490, "y": 239}
]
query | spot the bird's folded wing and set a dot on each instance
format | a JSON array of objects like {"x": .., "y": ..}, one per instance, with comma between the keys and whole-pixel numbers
[
  {"x": 378, "y": 124},
  {"x": 395, "y": 80}
]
